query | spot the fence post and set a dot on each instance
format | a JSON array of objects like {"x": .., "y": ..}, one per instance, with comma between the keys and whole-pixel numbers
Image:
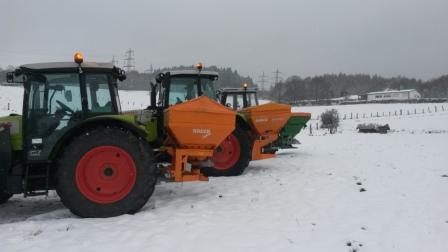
[
  {"x": 364, "y": 115},
  {"x": 351, "y": 115},
  {"x": 389, "y": 113},
  {"x": 401, "y": 111},
  {"x": 415, "y": 111},
  {"x": 423, "y": 110},
  {"x": 435, "y": 108},
  {"x": 408, "y": 112},
  {"x": 8, "y": 106},
  {"x": 356, "y": 115},
  {"x": 395, "y": 113},
  {"x": 344, "y": 116},
  {"x": 311, "y": 130},
  {"x": 317, "y": 126}
]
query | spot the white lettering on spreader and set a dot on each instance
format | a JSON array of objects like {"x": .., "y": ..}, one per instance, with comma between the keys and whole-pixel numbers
[
  {"x": 260, "y": 120},
  {"x": 204, "y": 132}
]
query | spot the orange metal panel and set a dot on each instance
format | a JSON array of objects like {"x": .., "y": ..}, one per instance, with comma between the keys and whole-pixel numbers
[
  {"x": 267, "y": 118},
  {"x": 199, "y": 123}
]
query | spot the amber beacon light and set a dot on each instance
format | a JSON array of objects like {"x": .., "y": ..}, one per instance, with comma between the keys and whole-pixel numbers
[
  {"x": 79, "y": 58},
  {"x": 199, "y": 66}
]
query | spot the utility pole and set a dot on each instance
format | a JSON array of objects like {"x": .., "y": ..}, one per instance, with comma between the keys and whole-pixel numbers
[
  {"x": 129, "y": 60},
  {"x": 276, "y": 83},
  {"x": 114, "y": 61},
  {"x": 262, "y": 81}
]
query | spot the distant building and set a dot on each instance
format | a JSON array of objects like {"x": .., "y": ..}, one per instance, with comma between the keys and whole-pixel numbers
[{"x": 401, "y": 95}]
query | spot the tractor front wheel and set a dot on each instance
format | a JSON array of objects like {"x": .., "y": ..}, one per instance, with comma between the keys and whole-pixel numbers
[
  {"x": 105, "y": 172},
  {"x": 4, "y": 197},
  {"x": 231, "y": 157}
]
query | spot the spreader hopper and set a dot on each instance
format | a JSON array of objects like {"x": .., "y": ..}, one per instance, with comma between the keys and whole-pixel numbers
[
  {"x": 266, "y": 121},
  {"x": 196, "y": 127}
]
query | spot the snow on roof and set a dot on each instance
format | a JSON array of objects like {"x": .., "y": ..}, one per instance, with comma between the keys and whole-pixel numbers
[
  {"x": 53, "y": 65},
  {"x": 393, "y": 91},
  {"x": 192, "y": 72}
]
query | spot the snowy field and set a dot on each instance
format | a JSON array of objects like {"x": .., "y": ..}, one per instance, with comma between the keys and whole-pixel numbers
[{"x": 341, "y": 192}]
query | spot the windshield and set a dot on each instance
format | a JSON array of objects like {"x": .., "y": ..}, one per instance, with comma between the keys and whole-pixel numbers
[{"x": 186, "y": 88}]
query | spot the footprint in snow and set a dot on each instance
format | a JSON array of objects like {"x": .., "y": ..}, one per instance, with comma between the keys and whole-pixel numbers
[{"x": 354, "y": 246}]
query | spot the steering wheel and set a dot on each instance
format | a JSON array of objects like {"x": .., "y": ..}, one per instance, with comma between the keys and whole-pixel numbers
[{"x": 65, "y": 108}]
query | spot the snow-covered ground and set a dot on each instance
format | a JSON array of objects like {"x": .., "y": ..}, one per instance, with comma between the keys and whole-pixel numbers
[{"x": 341, "y": 192}]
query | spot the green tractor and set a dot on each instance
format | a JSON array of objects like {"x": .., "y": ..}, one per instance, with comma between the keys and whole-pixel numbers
[
  {"x": 72, "y": 137},
  {"x": 240, "y": 98}
]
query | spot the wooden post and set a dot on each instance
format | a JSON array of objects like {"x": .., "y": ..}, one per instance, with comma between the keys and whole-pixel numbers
[
  {"x": 351, "y": 115},
  {"x": 435, "y": 108},
  {"x": 415, "y": 111},
  {"x": 401, "y": 112}
]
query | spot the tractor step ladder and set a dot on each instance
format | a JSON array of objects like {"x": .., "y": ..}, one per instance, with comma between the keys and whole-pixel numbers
[{"x": 42, "y": 176}]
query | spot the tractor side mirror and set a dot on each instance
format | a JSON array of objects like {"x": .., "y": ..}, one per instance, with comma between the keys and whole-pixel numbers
[
  {"x": 68, "y": 95},
  {"x": 159, "y": 77},
  {"x": 10, "y": 77}
]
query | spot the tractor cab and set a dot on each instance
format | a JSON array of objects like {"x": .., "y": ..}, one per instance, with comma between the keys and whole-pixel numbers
[
  {"x": 175, "y": 87},
  {"x": 238, "y": 98},
  {"x": 60, "y": 95}
]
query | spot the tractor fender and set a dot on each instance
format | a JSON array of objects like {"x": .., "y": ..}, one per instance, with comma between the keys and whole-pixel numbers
[
  {"x": 93, "y": 123},
  {"x": 242, "y": 123}
]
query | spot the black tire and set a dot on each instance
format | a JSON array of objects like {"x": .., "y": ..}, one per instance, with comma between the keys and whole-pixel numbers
[
  {"x": 4, "y": 197},
  {"x": 243, "y": 160},
  {"x": 137, "y": 149}
]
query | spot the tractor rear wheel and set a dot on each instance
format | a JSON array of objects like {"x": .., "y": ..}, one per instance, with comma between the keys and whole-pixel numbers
[
  {"x": 4, "y": 197},
  {"x": 231, "y": 157},
  {"x": 105, "y": 172}
]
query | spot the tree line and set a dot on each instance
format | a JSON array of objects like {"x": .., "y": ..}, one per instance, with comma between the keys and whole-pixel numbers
[{"x": 330, "y": 86}]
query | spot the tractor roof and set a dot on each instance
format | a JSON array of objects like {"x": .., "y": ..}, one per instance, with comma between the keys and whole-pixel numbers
[
  {"x": 67, "y": 66},
  {"x": 192, "y": 72},
  {"x": 237, "y": 90}
]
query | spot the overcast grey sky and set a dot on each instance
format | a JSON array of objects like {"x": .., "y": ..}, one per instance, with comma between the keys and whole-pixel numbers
[{"x": 300, "y": 37}]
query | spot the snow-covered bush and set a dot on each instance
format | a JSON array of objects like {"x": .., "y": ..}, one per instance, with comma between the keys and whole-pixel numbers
[{"x": 330, "y": 120}]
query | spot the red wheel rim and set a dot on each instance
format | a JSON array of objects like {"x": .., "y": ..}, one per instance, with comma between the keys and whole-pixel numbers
[
  {"x": 106, "y": 174},
  {"x": 227, "y": 153}
]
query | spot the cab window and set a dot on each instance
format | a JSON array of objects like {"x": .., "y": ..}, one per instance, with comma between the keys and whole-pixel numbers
[
  {"x": 182, "y": 89},
  {"x": 98, "y": 93}
]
